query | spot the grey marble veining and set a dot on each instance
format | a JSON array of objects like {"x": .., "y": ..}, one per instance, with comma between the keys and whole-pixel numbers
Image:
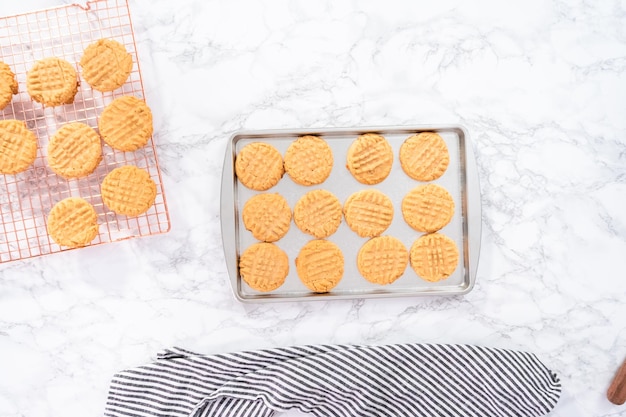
[{"x": 539, "y": 87}]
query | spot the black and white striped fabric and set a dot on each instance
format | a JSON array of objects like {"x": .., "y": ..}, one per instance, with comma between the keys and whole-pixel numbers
[{"x": 338, "y": 381}]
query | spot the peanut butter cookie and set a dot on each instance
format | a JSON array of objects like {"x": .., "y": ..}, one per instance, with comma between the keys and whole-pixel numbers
[
  {"x": 106, "y": 65},
  {"x": 128, "y": 190},
  {"x": 370, "y": 158},
  {"x": 425, "y": 156},
  {"x": 18, "y": 147},
  {"x": 428, "y": 208},
  {"x": 8, "y": 85},
  {"x": 267, "y": 217},
  {"x": 318, "y": 213},
  {"x": 264, "y": 266},
  {"x": 259, "y": 166},
  {"x": 382, "y": 260},
  {"x": 309, "y": 160},
  {"x": 320, "y": 265},
  {"x": 126, "y": 124},
  {"x": 368, "y": 212},
  {"x": 74, "y": 151},
  {"x": 434, "y": 257},
  {"x": 52, "y": 82},
  {"x": 72, "y": 222}
]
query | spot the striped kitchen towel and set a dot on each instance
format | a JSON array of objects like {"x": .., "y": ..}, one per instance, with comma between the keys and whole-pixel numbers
[{"x": 338, "y": 380}]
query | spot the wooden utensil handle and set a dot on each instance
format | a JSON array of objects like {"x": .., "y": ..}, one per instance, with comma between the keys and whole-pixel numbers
[{"x": 617, "y": 391}]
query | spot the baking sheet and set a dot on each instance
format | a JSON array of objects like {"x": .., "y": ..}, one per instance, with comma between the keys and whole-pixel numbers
[
  {"x": 460, "y": 179},
  {"x": 26, "y": 198}
]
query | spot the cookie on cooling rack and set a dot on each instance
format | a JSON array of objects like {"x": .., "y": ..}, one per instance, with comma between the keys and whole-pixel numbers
[
  {"x": 382, "y": 260},
  {"x": 128, "y": 190},
  {"x": 370, "y": 158},
  {"x": 434, "y": 257},
  {"x": 106, "y": 65},
  {"x": 264, "y": 266},
  {"x": 52, "y": 82},
  {"x": 308, "y": 160},
  {"x": 425, "y": 156},
  {"x": 8, "y": 85},
  {"x": 18, "y": 146},
  {"x": 320, "y": 265},
  {"x": 318, "y": 213},
  {"x": 267, "y": 217},
  {"x": 428, "y": 208},
  {"x": 368, "y": 212},
  {"x": 72, "y": 222},
  {"x": 74, "y": 151},
  {"x": 259, "y": 166},
  {"x": 126, "y": 124}
]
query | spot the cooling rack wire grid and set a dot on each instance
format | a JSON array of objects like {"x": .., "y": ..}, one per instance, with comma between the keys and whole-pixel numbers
[{"x": 26, "y": 198}]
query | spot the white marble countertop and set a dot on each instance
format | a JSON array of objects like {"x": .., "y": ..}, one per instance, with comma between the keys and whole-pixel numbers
[{"x": 538, "y": 85}]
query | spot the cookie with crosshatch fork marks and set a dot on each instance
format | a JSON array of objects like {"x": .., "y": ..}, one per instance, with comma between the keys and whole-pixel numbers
[
  {"x": 126, "y": 124},
  {"x": 259, "y": 166},
  {"x": 72, "y": 222},
  {"x": 18, "y": 146},
  {"x": 382, "y": 260},
  {"x": 318, "y": 213},
  {"x": 368, "y": 212},
  {"x": 106, "y": 65},
  {"x": 8, "y": 85},
  {"x": 370, "y": 158},
  {"x": 264, "y": 266},
  {"x": 52, "y": 82},
  {"x": 128, "y": 190},
  {"x": 320, "y": 265},
  {"x": 434, "y": 257},
  {"x": 308, "y": 160},
  {"x": 74, "y": 151},
  {"x": 267, "y": 216},
  {"x": 428, "y": 208},
  {"x": 425, "y": 156}
]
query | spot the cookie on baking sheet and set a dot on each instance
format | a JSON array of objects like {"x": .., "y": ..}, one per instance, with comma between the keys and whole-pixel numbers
[
  {"x": 434, "y": 257},
  {"x": 128, "y": 190},
  {"x": 72, "y": 222},
  {"x": 264, "y": 266},
  {"x": 318, "y": 213},
  {"x": 382, "y": 260},
  {"x": 259, "y": 166},
  {"x": 308, "y": 160},
  {"x": 52, "y": 82},
  {"x": 106, "y": 65},
  {"x": 8, "y": 85},
  {"x": 428, "y": 208},
  {"x": 320, "y": 265},
  {"x": 368, "y": 212},
  {"x": 74, "y": 151},
  {"x": 425, "y": 156},
  {"x": 126, "y": 124},
  {"x": 18, "y": 146},
  {"x": 267, "y": 216},
  {"x": 370, "y": 158}
]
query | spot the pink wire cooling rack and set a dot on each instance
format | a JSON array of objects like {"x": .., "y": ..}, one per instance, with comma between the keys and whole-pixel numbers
[{"x": 26, "y": 198}]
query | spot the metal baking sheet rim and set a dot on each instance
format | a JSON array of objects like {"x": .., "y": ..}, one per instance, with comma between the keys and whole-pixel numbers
[{"x": 473, "y": 212}]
